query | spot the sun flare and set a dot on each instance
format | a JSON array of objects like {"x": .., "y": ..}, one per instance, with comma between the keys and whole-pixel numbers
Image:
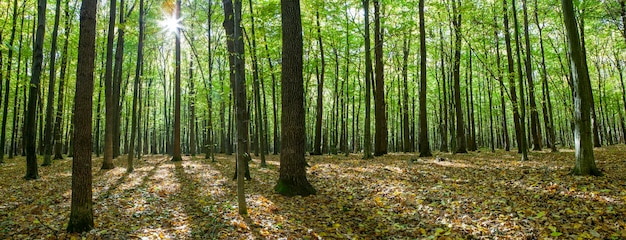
[{"x": 170, "y": 24}]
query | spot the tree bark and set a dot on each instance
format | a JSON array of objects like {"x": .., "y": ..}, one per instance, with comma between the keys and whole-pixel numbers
[
  {"x": 107, "y": 162},
  {"x": 461, "y": 141},
  {"x": 424, "y": 145},
  {"x": 548, "y": 118},
  {"x": 31, "y": 113},
  {"x": 292, "y": 179},
  {"x": 534, "y": 115},
  {"x": 176, "y": 154},
  {"x": 523, "y": 140},
  {"x": 255, "y": 75},
  {"x": 81, "y": 216},
  {"x": 7, "y": 82},
  {"x": 136, "y": 89},
  {"x": 317, "y": 145},
  {"x": 367, "y": 144},
  {"x": 380, "y": 110},
  {"x": 585, "y": 162}
]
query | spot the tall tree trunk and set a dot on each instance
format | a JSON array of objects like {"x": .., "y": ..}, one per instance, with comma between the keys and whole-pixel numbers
[
  {"x": 548, "y": 118},
  {"x": 176, "y": 154},
  {"x": 48, "y": 140},
  {"x": 274, "y": 99},
  {"x": 380, "y": 138},
  {"x": 5, "y": 97},
  {"x": 367, "y": 145},
  {"x": 511, "y": 77},
  {"x": 81, "y": 215},
  {"x": 209, "y": 148},
  {"x": 117, "y": 83},
  {"x": 292, "y": 179},
  {"x": 317, "y": 145},
  {"x": 461, "y": 141},
  {"x": 16, "y": 103},
  {"x": 255, "y": 75},
  {"x": 407, "y": 144},
  {"x": 585, "y": 162},
  {"x": 534, "y": 115},
  {"x": 136, "y": 89},
  {"x": 31, "y": 113},
  {"x": 522, "y": 103},
  {"x": 107, "y": 162},
  {"x": 505, "y": 130},
  {"x": 424, "y": 145},
  {"x": 192, "y": 108},
  {"x": 444, "y": 112}
]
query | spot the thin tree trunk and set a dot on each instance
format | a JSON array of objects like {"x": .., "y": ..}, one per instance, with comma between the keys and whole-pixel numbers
[
  {"x": 380, "y": 138},
  {"x": 367, "y": 149},
  {"x": 461, "y": 141},
  {"x": 48, "y": 140},
  {"x": 444, "y": 112},
  {"x": 31, "y": 124},
  {"x": 136, "y": 89},
  {"x": 511, "y": 77},
  {"x": 424, "y": 145},
  {"x": 255, "y": 76},
  {"x": 522, "y": 104},
  {"x": 407, "y": 144},
  {"x": 585, "y": 162},
  {"x": 534, "y": 115},
  {"x": 107, "y": 163},
  {"x": 176, "y": 154},
  {"x": 548, "y": 118},
  {"x": 5, "y": 97},
  {"x": 317, "y": 145}
]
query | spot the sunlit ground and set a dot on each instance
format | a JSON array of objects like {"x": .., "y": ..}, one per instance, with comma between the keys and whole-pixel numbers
[{"x": 401, "y": 196}]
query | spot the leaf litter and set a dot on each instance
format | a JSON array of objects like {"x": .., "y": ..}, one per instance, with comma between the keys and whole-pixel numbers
[{"x": 398, "y": 196}]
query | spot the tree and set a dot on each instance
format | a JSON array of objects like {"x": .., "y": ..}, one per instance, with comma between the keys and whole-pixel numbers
[
  {"x": 585, "y": 162},
  {"x": 292, "y": 179},
  {"x": 31, "y": 112},
  {"x": 424, "y": 146},
  {"x": 522, "y": 104},
  {"x": 107, "y": 162},
  {"x": 176, "y": 155},
  {"x": 380, "y": 110},
  {"x": 534, "y": 115},
  {"x": 60, "y": 98},
  {"x": 138, "y": 71},
  {"x": 81, "y": 216},
  {"x": 317, "y": 144},
  {"x": 367, "y": 142},
  {"x": 461, "y": 141},
  {"x": 48, "y": 136},
  {"x": 511, "y": 77},
  {"x": 7, "y": 81}
]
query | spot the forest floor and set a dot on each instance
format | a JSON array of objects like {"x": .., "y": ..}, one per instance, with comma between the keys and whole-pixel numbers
[{"x": 397, "y": 196}]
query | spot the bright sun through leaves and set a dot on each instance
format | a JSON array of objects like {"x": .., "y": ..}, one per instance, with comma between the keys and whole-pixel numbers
[{"x": 170, "y": 23}]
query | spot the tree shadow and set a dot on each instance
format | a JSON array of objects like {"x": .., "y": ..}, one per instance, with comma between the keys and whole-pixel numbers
[{"x": 206, "y": 219}]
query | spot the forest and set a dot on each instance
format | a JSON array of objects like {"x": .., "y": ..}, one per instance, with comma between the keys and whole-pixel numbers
[{"x": 337, "y": 119}]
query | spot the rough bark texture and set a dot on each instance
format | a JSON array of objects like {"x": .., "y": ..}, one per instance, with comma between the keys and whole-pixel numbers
[
  {"x": 31, "y": 113},
  {"x": 242, "y": 116},
  {"x": 367, "y": 142},
  {"x": 380, "y": 138},
  {"x": 176, "y": 154},
  {"x": 292, "y": 180},
  {"x": 317, "y": 144},
  {"x": 534, "y": 115},
  {"x": 585, "y": 162},
  {"x": 5, "y": 97},
  {"x": 424, "y": 145},
  {"x": 138, "y": 66},
  {"x": 461, "y": 141},
  {"x": 523, "y": 140},
  {"x": 107, "y": 162},
  {"x": 81, "y": 216},
  {"x": 58, "y": 144},
  {"x": 48, "y": 140},
  {"x": 511, "y": 77}
]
